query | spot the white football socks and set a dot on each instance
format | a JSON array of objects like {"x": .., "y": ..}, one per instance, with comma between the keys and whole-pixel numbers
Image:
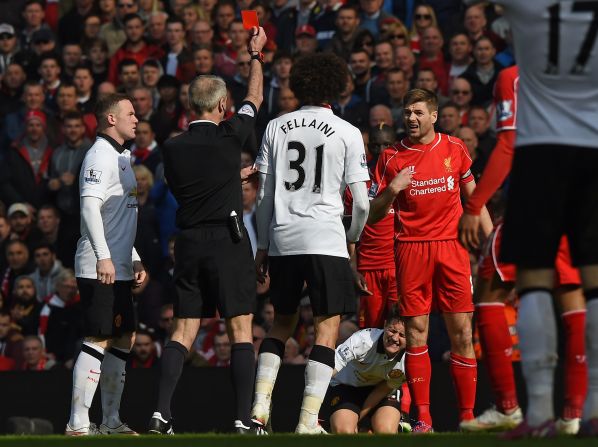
[
  {"x": 86, "y": 376},
  {"x": 268, "y": 365},
  {"x": 317, "y": 379},
  {"x": 590, "y": 410},
  {"x": 112, "y": 383},
  {"x": 536, "y": 327}
]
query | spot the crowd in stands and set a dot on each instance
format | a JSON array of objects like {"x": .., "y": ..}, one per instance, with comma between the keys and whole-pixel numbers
[{"x": 58, "y": 58}]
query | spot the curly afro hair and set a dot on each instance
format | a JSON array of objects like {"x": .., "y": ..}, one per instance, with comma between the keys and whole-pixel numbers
[{"x": 318, "y": 78}]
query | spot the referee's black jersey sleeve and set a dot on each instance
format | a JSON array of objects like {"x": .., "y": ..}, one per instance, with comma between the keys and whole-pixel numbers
[{"x": 202, "y": 167}]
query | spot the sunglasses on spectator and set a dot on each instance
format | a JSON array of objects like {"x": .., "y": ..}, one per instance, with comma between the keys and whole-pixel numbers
[
  {"x": 423, "y": 16},
  {"x": 460, "y": 92},
  {"x": 397, "y": 36},
  {"x": 6, "y": 36},
  {"x": 126, "y": 5}
]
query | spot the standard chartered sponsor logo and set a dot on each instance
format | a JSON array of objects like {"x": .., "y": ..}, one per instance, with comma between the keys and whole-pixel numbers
[{"x": 432, "y": 186}]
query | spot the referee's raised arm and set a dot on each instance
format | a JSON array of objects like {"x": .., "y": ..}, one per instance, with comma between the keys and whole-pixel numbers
[{"x": 255, "y": 83}]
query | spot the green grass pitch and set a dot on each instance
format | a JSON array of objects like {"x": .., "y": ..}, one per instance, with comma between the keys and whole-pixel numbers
[{"x": 289, "y": 440}]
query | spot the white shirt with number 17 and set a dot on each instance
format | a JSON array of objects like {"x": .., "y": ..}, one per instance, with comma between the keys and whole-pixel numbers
[{"x": 312, "y": 155}]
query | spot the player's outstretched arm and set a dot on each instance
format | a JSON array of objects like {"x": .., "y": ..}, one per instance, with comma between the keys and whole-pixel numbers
[
  {"x": 255, "y": 83},
  {"x": 361, "y": 208},
  {"x": 380, "y": 392}
]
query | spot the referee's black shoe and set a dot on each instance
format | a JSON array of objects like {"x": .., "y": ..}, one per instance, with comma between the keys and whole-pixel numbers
[
  {"x": 159, "y": 426},
  {"x": 256, "y": 428}
]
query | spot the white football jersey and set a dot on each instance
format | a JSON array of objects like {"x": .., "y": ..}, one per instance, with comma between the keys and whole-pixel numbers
[
  {"x": 555, "y": 44},
  {"x": 362, "y": 361},
  {"x": 313, "y": 155},
  {"x": 107, "y": 175}
]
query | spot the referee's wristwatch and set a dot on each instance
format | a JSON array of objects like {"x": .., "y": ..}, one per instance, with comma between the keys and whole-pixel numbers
[{"x": 258, "y": 56}]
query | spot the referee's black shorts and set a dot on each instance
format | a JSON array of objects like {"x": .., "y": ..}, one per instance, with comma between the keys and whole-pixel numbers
[
  {"x": 553, "y": 191},
  {"x": 107, "y": 308},
  {"x": 329, "y": 279},
  {"x": 213, "y": 272}
]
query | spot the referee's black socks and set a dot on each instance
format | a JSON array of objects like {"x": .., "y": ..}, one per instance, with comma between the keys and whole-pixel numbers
[
  {"x": 173, "y": 360},
  {"x": 242, "y": 368}
]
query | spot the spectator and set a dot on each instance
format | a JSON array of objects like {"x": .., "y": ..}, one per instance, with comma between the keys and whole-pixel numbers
[
  {"x": 470, "y": 139},
  {"x": 482, "y": 73},
  {"x": 221, "y": 350},
  {"x": 396, "y": 86},
  {"x": 71, "y": 58},
  {"x": 460, "y": 55},
  {"x": 281, "y": 71},
  {"x": 97, "y": 53},
  {"x": 192, "y": 13},
  {"x": 449, "y": 118},
  {"x": 143, "y": 353},
  {"x": 380, "y": 114},
  {"x": 11, "y": 342},
  {"x": 22, "y": 226},
  {"x": 364, "y": 40},
  {"x": 107, "y": 10},
  {"x": 384, "y": 59},
  {"x": 427, "y": 79},
  {"x": 60, "y": 320},
  {"x": 47, "y": 269},
  {"x": 223, "y": 15},
  {"x": 135, "y": 47},
  {"x": 187, "y": 114},
  {"x": 397, "y": 35},
  {"x": 143, "y": 102},
  {"x": 26, "y": 163},
  {"x": 351, "y": 107},
  {"x": 475, "y": 23},
  {"x": 169, "y": 109},
  {"x": 5, "y": 235},
  {"x": 305, "y": 41},
  {"x": 71, "y": 24},
  {"x": 461, "y": 94},
  {"x": 83, "y": 81},
  {"x": 33, "y": 15},
  {"x": 145, "y": 150},
  {"x": 113, "y": 32},
  {"x": 25, "y": 308},
  {"x": 11, "y": 90},
  {"x": 405, "y": 60},
  {"x": 287, "y": 102},
  {"x": 43, "y": 41},
  {"x": 322, "y": 18},
  {"x": 238, "y": 83},
  {"x": 128, "y": 75},
  {"x": 201, "y": 34},
  {"x": 347, "y": 25},
  {"x": 372, "y": 15},
  {"x": 104, "y": 89},
  {"x": 225, "y": 61},
  {"x": 149, "y": 297},
  {"x": 63, "y": 239},
  {"x": 479, "y": 121},
  {"x": 423, "y": 17},
  {"x": 156, "y": 28},
  {"x": 203, "y": 59},
  {"x": 249, "y": 191},
  {"x": 49, "y": 71},
  {"x": 34, "y": 355},
  {"x": 66, "y": 100},
  {"x": 360, "y": 65},
  {"x": 17, "y": 257},
  {"x": 91, "y": 30},
  {"x": 432, "y": 57},
  {"x": 8, "y": 46},
  {"x": 292, "y": 353},
  {"x": 178, "y": 61},
  {"x": 151, "y": 72},
  {"x": 263, "y": 15}
]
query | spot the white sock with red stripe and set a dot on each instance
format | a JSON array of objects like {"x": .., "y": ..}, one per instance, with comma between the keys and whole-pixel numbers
[{"x": 86, "y": 376}]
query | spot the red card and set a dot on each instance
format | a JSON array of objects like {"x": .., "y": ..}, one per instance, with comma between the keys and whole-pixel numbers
[{"x": 250, "y": 19}]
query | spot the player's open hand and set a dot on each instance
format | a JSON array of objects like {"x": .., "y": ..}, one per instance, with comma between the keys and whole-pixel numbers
[
  {"x": 360, "y": 282},
  {"x": 106, "y": 272},
  {"x": 257, "y": 40},
  {"x": 261, "y": 265},
  {"x": 248, "y": 174},
  {"x": 401, "y": 181},
  {"x": 469, "y": 230},
  {"x": 139, "y": 274}
]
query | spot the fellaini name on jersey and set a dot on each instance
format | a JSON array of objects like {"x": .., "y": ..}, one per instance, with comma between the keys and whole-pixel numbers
[
  {"x": 324, "y": 127},
  {"x": 423, "y": 187}
]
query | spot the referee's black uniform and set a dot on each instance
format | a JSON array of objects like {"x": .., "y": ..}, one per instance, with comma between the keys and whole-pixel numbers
[{"x": 212, "y": 269}]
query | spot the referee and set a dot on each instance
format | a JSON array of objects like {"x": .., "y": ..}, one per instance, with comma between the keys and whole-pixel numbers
[{"x": 213, "y": 258}]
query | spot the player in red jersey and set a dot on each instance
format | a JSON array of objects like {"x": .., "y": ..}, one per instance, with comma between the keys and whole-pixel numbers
[
  {"x": 432, "y": 266},
  {"x": 496, "y": 280}
]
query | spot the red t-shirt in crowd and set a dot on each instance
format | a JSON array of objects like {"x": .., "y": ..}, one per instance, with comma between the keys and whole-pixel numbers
[{"x": 430, "y": 208}]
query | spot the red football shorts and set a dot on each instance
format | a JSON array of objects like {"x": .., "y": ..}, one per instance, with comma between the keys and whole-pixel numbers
[
  {"x": 433, "y": 272},
  {"x": 565, "y": 273},
  {"x": 374, "y": 308}
]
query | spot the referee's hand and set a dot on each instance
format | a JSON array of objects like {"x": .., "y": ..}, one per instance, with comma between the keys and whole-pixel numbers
[{"x": 105, "y": 271}]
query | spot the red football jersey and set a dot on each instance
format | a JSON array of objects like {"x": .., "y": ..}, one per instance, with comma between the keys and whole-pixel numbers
[
  {"x": 430, "y": 208},
  {"x": 376, "y": 244}
]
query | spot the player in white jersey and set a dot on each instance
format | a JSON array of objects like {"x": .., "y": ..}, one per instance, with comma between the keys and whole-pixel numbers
[
  {"x": 306, "y": 159},
  {"x": 106, "y": 266},
  {"x": 554, "y": 188},
  {"x": 369, "y": 370}
]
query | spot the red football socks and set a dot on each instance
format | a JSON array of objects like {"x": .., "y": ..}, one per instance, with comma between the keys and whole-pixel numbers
[
  {"x": 576, "y": 366},
  {"x": 419, "y": 372},
  {"x": 497, "y": 347},
  {"x": 464, "y": 371}
]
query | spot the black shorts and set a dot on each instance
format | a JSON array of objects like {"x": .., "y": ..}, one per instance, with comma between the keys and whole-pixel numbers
[
  {"x": 553, "y": 191},
  {"x": 329, "y": 281},
  {"x": 107, "y": 308},
  {"x": 347, "y": 397},
  {"x": 213, "y": 272}
]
